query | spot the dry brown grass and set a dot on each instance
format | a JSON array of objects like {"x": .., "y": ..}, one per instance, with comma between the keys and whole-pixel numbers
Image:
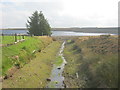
[{"x": 96, "y": 62}]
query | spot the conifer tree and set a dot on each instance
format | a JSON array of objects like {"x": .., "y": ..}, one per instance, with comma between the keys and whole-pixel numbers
[{"x": 37, "y": 25}]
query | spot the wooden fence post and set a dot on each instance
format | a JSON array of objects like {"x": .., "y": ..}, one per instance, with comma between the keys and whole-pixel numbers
[
  {"x": 23, "y": 36},
  {"x": 2, "y": 35},
  {"x": 19, "y": 37},
  {"x": 15, "y": 37}
]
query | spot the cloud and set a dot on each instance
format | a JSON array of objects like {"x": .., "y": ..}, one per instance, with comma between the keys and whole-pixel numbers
[
  {"x": 16, "y": 15},
  {"x": 61, "y": 13}
]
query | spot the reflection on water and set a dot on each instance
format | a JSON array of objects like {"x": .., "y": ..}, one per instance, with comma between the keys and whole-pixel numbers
[
  {"x": 71, "y": 33},
  {"x": 57, "y": 33},
  {"x": 14, "y": 31}
]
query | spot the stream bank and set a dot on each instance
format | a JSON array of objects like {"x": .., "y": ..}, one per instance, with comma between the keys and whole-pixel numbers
[
  {"x": 91, "y": 62},
  {"x": 34, "y": 74}
]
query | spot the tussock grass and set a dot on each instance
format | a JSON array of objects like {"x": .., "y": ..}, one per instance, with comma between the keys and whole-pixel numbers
[{"x": 96, "y": 63}]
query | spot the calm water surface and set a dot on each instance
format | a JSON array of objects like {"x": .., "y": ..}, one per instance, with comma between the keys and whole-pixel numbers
[{"x": 57, "y": 33}]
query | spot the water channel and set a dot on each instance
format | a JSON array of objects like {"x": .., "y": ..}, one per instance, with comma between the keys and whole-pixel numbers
[{"x": 57, "y": 79}]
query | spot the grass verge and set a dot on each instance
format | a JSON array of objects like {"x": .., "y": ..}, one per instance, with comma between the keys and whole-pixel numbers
[
  {"x": 34, "y": 74},
  {"x": 10, "y": 39},
  {"x": 21, "y": 53}
]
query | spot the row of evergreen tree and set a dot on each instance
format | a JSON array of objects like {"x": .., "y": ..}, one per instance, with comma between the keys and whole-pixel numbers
[{"x": 38, "y": 25}]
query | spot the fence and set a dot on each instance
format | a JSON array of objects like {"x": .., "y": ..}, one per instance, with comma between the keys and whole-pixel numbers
[{"x": 12, "y": 38}]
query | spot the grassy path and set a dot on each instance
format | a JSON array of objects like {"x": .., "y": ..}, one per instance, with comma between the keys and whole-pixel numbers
[{"x": 34, "y": 74}]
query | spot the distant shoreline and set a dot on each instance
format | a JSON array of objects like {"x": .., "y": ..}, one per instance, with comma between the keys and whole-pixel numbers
[
  {"x": 14, "y": 29},
  {"x": 113, "y": 30},
  {"x": 57, "y": 29}
]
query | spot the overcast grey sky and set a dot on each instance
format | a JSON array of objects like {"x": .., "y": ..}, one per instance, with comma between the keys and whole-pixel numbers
[{"x": 61, "y": 13}]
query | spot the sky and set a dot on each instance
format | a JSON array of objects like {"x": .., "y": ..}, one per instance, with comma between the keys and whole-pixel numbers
[{"x": 60, "y": 13}]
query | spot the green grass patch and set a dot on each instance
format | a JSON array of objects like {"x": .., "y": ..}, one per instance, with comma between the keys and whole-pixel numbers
[
  {"x": 10, "y": 39},
  {"x": 68, "y": 41},
  {"x": 59, "y": 61},
  {"x": 22, "y": 52},
  {"x": 52, "y": 84}
]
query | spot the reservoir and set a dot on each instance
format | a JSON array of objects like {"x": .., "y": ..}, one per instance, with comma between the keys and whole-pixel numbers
[{"x": 61, "y": 33}]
